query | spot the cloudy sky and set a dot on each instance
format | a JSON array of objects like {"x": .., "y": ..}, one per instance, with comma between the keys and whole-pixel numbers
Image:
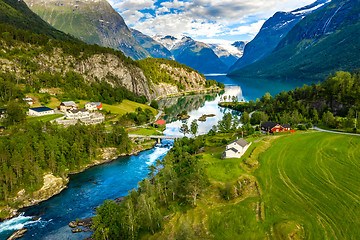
[{"x": 228, "y": 20}]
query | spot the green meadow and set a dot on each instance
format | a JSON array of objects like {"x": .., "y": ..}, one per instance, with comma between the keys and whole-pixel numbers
[{"x": 299, "y": 186}]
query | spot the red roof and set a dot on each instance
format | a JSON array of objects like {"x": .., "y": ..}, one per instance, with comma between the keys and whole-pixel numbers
[{"x": 160, "y": 122}]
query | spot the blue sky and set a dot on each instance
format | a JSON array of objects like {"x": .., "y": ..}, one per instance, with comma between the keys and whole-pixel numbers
[{"x": 208, "y": 20}]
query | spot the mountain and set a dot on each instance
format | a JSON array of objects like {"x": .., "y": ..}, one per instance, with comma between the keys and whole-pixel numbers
[
  {"x": 224, "y": 55},
  {"x": 240, "y": 46},
  {"x": 154, "y": 48},
  {"x": 325, "y": 41},
  {"x": 192, "y": 53},
  {"x": 92, "y": 21},
  {"x": 272, "y": 32},
  {"x": 17, "y": 14},
  {"x": 168, "y": 41}
]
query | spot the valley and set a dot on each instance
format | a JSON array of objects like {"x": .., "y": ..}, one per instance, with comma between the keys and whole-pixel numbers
[{"x": 179, "y": 119}]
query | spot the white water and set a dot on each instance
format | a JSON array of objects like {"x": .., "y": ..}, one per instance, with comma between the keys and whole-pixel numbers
[
  {"x": 16, "y": 223},
  {"x": 159, "y": 151}
]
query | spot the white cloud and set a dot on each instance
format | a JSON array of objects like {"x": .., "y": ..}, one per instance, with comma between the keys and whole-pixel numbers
[{"x": 207, "y": 18}]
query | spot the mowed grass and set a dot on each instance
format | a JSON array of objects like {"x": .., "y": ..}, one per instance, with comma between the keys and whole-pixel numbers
[
  {"x": 311, "y": 186},
  {"x": 126, "y": 106},
  {"x": 145, "y": 132},
  {"x": 46, "y": 118}
]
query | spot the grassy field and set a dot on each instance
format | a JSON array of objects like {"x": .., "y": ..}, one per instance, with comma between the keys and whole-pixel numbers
[
  {"x": 144, "y": 131},
  {"x": 46, "y": 118},
  {"x": 125, "y": 107},
  {"x": 311, "y": 182},
  {"x": 300, "y": 186}
]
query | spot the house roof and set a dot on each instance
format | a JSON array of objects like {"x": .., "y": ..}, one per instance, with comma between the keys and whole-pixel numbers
[
  {"x": 2, "y": 127},
  {"x": 242, "y": 142},
  {"x": 41, "y": 109},
  {"x": 160, "y": 122},
  {"x": 269, "y": 125},
  {"x": 95, "y": 103},
  {"x": 286, "y": 126},
  {"x": 68, "y": 103},
  {"x": 2, "y": 110}
]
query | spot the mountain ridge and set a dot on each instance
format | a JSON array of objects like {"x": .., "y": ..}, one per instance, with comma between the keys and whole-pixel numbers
[
  {"x": 324, "y": 42},
  {"x": 272, "y": 32},
  {"x": 94, "y": 22}
]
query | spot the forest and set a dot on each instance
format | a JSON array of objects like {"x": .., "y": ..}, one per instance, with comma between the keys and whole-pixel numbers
[
  {"x": 333, "y": 103},
  {"x": 36, "y": 148},
  {"x": 174, "y": 182}
]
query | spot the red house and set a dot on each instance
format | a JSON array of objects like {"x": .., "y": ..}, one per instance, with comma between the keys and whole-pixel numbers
[{"x": 274, "y": 127}]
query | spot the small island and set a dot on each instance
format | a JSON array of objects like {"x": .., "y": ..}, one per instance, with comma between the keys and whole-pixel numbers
[
  {"x": 205, "y": 116},
  {"x": 183, "y": 115}
]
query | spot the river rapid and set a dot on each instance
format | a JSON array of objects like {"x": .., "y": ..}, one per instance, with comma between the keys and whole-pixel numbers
[{"x": 89, "y": 189}]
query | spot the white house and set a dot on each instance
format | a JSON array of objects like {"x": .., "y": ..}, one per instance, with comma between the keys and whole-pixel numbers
[
  {"x": 236, "y": 149},
  {"x": 93, "y": 106},
  {"x": 77, "y": 114},
  {"x": 64, "y": 106},
  {"x": 40, "y": 111},
  {"x": 28, "y": 100}
]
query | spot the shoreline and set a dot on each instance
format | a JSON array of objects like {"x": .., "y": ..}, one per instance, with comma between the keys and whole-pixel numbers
[
  {"x": 32, "y": 202},
  {"x": 193, "y": 92}
]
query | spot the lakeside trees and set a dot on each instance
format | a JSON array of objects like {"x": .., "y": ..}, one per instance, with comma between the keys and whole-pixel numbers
[{"x": 333, "y": 103}]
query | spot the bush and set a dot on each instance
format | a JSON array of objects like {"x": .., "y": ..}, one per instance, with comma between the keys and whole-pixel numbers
[{"x": 154, "y": 104}]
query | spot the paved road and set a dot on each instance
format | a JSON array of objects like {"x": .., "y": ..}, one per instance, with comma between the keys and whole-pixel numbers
[{"x": 328, "y": 131}]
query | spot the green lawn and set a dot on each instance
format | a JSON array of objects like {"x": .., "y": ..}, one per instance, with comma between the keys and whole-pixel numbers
[
  {"x": 46, "y": 118},
  {"x": 145, "y": 131},
  {"x": 124, "y": 107},
  {"x": 310, "y": 182}
]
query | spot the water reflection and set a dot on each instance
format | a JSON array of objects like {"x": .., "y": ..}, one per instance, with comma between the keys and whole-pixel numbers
[{"x": 196, "y": 106}]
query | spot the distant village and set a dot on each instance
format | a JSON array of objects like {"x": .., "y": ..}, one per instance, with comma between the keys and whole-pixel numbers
[{"x": 89, "y": 115}]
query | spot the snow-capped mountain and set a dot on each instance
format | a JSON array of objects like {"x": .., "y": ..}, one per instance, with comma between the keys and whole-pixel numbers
[
  {"x": 195, "y": 54},
  {"x": 273, "y": 31}
]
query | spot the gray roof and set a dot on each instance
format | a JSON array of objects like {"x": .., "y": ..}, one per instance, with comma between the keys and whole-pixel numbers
[
  {"x": 242, "y": 142},
  {"x": 95, "y": 103},
  {"x": 68, "y": 103}
]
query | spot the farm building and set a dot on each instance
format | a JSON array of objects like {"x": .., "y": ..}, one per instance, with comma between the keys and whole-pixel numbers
[
  {"x": 93, "y": 106},
  {"x": 40, "y": 111},
  {"x": 271, "y": 127},
  {"x": 77, "y": 114},
  {"x": 236, "y": 149},
  {"x": 64, "y": 106}
]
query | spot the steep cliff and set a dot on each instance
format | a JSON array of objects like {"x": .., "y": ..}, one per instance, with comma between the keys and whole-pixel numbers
[{"x": 92, "y": 21}]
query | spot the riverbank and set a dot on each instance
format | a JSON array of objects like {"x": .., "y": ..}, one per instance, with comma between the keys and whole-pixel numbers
[{"x": 53, "y": 185}]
